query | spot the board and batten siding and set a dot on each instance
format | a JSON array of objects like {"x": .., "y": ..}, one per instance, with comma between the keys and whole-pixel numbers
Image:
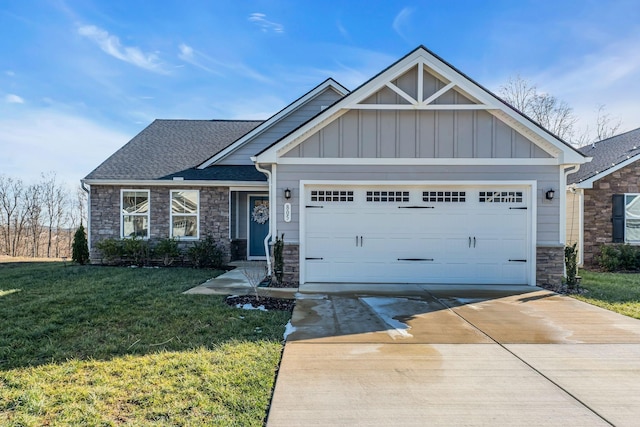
[
  {"x": 289, "y": 176},
  {"x": 242, "y": 156},
  {"x": 417, "y": 134}
]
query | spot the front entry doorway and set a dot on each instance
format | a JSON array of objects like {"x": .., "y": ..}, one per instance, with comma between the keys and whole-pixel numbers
[{"x": 258, "y": 216}]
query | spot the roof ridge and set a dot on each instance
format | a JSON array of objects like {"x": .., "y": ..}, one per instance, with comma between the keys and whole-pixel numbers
[{"x": 211, "y": 120}]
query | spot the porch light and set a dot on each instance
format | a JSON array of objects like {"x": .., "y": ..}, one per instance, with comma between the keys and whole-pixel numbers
[
  {"x": 549, "y": 195},
  {"x": 287, "y": 194}
]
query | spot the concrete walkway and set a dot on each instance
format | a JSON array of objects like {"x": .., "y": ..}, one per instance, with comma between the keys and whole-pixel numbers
[
  {"x": 452, "y": 356},
  {"x": 239, "y": 282}
]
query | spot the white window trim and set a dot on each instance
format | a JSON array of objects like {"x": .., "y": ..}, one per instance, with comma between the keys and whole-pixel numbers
[
  {"x": 122, "y": 214},
  {"x": 635, "y": 242},
  {"x": 171, "y": 215}
]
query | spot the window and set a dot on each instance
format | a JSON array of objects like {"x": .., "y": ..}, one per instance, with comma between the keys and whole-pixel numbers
[
  {"x": 135, "y": 213},
  {"x": 184, "y": 213},
  {"x": 387, "y": 196},
  {"x": 500, "y": 197},
  {"x": 444, "y": 196},
  {"x": 632, "y": 218},
  {"x": 331, "y": 196}
]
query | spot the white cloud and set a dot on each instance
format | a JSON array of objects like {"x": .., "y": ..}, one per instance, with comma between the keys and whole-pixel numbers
[
  {"x": 609, "y": 76},
  {"x": 260, "y": 19},
  {"x": 207, "y": 63},
  {"x": 111, "y": 45},
  {"x": 13, "y": 99},
  {"x": 10, "y": 73},
  {"x": 401, "y": 22},
  {"x": 47, "y": 140},
  {"x": 188, "y": 55}
]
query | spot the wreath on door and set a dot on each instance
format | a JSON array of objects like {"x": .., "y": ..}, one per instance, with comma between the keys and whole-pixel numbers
[{"x": 260, "y": 213}]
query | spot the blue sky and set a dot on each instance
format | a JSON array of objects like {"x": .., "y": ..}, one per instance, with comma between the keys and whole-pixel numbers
[{"x": 79, "y": 78}]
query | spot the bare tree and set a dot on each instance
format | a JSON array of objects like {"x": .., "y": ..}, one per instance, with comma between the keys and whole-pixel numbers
[
  {"x": 33, "y": 211},
  {"x": 551, "y": 113},
  {"x": 10, "y": 197},
  {"x": 53, "y": 198},
  {"x": 606, "y": 127},
  {"x": 554, "y": 114}
]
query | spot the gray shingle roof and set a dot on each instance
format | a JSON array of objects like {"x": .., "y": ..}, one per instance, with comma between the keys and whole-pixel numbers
[
  {"x": 168, "y": 148},
  {"x": 606, "y": 154}
]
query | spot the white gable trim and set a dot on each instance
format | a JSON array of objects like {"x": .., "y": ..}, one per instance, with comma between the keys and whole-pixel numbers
[
  {"x": 588, "y": 183},
  {"x": 424, "y": 59},
  {"x": 328, "y": 84}
]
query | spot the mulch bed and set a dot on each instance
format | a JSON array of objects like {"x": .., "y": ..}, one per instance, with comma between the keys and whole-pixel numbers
[{"x": 268, "y": 303}]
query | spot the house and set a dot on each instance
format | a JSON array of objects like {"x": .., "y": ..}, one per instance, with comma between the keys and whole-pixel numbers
[
  {"x": 602, "y": 196},
  {"x": 420, "y": 175}
]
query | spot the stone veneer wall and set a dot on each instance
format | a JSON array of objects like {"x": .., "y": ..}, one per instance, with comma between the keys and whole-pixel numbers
[
  {"x": 598, "y": 209},
  {"x": 291, "y": 254},
  {"x": 549, "y": 266},
  {"x": 105, "y": 213}
]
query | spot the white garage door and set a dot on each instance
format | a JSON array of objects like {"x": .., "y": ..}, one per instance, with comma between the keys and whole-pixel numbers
[{"x": 476, "y": 235}]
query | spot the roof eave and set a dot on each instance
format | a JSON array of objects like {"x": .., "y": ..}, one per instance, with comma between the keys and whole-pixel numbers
[{"x": 174, "y": 183}]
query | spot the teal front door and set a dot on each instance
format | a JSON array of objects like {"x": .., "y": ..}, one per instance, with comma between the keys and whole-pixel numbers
[{"x": 258, "y": 225}]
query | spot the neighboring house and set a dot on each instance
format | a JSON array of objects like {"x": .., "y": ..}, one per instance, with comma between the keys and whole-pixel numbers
[
  {"x": 603, "y": 196},
  {"x": 420, "y": 175}
]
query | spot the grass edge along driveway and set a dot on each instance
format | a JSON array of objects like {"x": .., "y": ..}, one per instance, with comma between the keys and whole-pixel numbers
[
  {"x": 86, "y": 345},
  {"x": 619, "y": 292}
]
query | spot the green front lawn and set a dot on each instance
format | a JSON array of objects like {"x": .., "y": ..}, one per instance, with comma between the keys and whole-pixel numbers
[
  {"x": 619, "y": 292},
  {"x": 110, "y": 346}
]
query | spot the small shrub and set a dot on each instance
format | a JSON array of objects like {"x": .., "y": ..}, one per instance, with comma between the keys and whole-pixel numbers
[
  {"x": 168, "y": 250},
  {"x": 110, "y": 249},
  {"x": 137, "y": 250},
  {"x": 206, "y": 254},
  {"x": 619, "y": 257},
  {"x": 80, "y": 247},
  {"x": 571, "y": 265},
  {"x": 278, "y": 258}
]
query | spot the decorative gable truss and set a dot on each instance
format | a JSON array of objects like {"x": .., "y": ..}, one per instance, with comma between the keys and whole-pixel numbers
[{"x": 419, "y": 111}]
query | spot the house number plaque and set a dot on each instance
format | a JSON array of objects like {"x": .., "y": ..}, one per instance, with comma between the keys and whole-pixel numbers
[{"x": 287, "y": 212}]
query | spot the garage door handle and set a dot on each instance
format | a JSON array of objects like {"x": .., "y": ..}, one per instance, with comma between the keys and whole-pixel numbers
[
  {"x": 312, "y": 206},
  {"x": 474, "y": 242},
  {"x": 360, "y": 241},
  {"x": 416, "y": 207},
  {"x": 469, "y": 241},
  {"x": 415, "y": 259},
  {"x": 524, "y": 208},
  {"x": 517, "y": 260},
  {"x": 314, "y": 259}
]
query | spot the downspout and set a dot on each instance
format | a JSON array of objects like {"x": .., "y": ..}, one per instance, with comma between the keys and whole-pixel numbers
[
  {"x": 563, "y": 207},
  {"x": 82, "y": 185},
  {"x": 266, "y": 239}
]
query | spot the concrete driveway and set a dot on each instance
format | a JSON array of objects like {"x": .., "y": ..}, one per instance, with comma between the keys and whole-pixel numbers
[{"x": 454, "y": 356}]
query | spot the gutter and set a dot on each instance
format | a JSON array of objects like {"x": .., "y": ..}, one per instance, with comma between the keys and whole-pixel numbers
[{"x": 271, "y": 193}]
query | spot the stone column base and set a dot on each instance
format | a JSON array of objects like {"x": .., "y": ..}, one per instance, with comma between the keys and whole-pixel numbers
[{"x": 549, "y": 266}]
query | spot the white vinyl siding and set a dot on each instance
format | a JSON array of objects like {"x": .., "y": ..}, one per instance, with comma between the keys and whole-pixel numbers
[
  {"x": 185, "y": 214},
  {"x": 134, "y": 219}
]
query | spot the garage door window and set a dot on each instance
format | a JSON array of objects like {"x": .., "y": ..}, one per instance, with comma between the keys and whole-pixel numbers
[
  {"x": 387, "y": 196},
  {"x": 444, "y": 196},
  {"x": 332, "y": 196},
  {"x": 500, "y": 197}
]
